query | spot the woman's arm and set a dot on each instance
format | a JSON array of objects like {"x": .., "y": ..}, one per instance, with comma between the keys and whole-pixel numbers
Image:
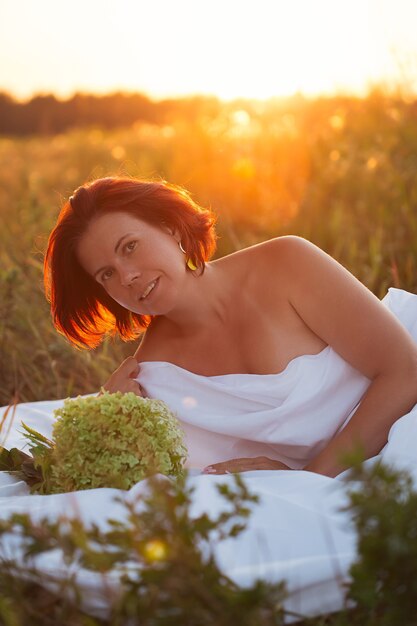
[
  {"x": 388, "y": 397},
  {"x": 345, "y": 314}
]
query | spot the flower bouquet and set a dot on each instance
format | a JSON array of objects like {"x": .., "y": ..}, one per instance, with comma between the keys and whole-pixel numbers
[{"x": 111, "y": 440}]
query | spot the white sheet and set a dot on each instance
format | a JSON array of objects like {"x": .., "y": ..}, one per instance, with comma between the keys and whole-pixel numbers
[{"x": 297, "y": 531}]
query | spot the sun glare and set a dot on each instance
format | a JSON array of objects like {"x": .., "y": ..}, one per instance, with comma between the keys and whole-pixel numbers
[
  {"x": 310, "y": 47},
  {"x": 228, "y": 49}
]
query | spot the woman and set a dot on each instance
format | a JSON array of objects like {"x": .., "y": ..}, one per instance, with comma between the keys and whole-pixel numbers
[{"x": 128, "y": 255}]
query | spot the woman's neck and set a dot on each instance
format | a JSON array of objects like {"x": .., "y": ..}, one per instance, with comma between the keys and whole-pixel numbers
[{"x": 206, "y": 304}]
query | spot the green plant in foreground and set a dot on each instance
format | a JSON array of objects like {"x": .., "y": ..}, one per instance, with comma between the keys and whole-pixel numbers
[
  {"x": 164, "y": 556},
  {"x": 169, "y": 576},
  {"x": 111, "y": 440},
  {"x": 384, "y": 577}
]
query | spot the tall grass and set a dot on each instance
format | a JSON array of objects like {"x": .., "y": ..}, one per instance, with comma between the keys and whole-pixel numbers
[{"x": 340, "y": 172}]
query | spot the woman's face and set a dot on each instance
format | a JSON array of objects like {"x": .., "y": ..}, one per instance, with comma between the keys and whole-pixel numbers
[{"x": 139, "y": 265}]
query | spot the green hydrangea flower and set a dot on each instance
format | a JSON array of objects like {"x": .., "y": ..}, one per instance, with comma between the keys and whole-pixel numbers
[{"x": 113, "y": 440}]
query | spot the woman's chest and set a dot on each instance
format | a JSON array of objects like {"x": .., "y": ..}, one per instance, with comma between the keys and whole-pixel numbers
[
  {"x": 259, "y": 332},
  {"x": 262, "y": 335}
]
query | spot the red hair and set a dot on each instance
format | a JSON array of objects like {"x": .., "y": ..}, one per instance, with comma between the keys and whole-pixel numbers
[{"x": 81, "y": 308}]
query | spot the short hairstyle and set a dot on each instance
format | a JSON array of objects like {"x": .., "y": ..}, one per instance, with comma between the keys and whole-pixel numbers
[{"x": 81, "y": 308}]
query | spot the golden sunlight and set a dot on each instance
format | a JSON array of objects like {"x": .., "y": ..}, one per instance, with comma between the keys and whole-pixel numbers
[
  {"x": 274, "y": 48},
  {"x": 229, "y": 49}
]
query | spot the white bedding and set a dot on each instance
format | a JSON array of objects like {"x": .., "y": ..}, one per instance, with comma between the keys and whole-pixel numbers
[{"x": 297, "y": 531}]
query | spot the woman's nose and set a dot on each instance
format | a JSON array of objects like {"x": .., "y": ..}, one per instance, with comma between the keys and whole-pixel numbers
[{"x": 129, "y": 276}]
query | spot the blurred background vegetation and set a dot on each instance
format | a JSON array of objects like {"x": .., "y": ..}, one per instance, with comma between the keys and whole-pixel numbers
[{"x": 340, "y": 171}]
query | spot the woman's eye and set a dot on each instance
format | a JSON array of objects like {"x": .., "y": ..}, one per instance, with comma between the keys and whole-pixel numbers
[
  {"x": 130, "y": 246},
  {"x": 105, "y": 275}
]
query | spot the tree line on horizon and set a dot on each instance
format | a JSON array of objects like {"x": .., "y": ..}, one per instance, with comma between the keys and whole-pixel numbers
[{"x": 47, "y": 115}]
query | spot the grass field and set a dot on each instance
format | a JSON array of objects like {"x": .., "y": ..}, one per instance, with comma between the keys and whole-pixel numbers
[{"x": 340, "y": 172}]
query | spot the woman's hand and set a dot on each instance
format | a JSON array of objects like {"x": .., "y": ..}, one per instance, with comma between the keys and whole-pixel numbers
[
  {"x": 122, "y": 378},
  {"x": 245, "y": 465}
]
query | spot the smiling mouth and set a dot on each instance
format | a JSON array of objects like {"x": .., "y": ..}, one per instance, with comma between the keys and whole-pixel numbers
[{"x": 149, "y": 289}]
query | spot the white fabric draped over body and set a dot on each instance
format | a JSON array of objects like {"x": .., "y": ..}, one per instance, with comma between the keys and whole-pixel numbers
[
  {"x": 297, "y": 531},
  {"x": 289, "y": 416}
]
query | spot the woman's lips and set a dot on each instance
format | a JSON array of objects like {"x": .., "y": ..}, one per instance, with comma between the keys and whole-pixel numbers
[{"x": 149, "y": 289}]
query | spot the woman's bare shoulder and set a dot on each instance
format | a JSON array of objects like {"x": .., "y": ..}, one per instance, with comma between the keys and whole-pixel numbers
[
  {"x": 271, "y": 250},
  {"x": 281, "y": 258},
  {"x": 270, "y": 259},
  {"x": 278, "y": 247}
]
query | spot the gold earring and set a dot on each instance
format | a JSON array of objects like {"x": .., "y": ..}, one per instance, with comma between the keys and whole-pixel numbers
[{"x": 190, "y": 264}]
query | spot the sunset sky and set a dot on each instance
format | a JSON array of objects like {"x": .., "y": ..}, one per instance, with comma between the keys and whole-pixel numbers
[{"x": 228, "y": 48}]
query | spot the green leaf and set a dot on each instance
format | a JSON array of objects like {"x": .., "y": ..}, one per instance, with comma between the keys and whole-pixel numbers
[
  {"x": 12, "y": 459},
  {"x": 4, "y": 460},
  {"x": 36, "y": 437}
]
